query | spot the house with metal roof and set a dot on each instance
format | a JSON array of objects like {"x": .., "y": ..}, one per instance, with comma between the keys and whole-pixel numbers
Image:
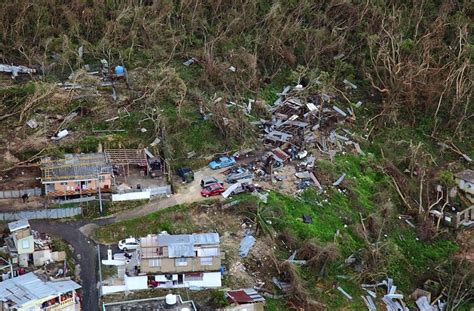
[
  {"x": 164, "y": 261},
  {"x": 20, "y": 242},
  {"x": 76, "y": 174},
  {"x": 30, "y": 292}
]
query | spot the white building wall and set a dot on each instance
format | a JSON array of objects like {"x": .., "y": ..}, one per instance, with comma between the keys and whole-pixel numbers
[
  {"x": 209, "y": 279},
  {"x": 136, "y": 282}
]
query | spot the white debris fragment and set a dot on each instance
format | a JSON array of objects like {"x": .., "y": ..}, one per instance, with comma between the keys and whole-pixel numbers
[
  {"x": 338, "y": 110},
  {"x": 344, "y": 293},
  {"x": 189, "y": 62},
  {"x": 60, "y": 135},
  {"x": 339, "y": 180},
  {"x": 32, "y": 123},
  {"x": 350, "y": 84}
]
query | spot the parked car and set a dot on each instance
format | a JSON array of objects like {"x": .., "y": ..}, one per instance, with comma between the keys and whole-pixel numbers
[
  {"x": 128, "y": 244},
  {"x": 237, "y": 174},
  {"x": 208, "y": 180},
  {"x": 186, "y": 174},
  {"x": 244, "y": 188},
  {"x": 222, "y": 162},
  {"x": 212, "y": 189},
  {"x": 156, "y": 168}
]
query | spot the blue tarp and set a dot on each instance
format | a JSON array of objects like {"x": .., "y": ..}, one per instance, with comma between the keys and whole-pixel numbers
[{"x": 245, "y": 245}]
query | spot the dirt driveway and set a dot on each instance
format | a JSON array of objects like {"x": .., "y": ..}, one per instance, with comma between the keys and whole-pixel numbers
[{"x": 186, "y": 193}]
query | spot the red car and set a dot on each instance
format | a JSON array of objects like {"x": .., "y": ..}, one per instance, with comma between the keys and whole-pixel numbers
[{"x": 212, "y": 189}]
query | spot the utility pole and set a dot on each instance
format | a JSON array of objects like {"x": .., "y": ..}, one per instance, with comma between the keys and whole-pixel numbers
[{"x": 100, "y": 195}]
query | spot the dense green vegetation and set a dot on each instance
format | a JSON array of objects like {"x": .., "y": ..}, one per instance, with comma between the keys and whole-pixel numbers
[{"x": 411, "y": 62}]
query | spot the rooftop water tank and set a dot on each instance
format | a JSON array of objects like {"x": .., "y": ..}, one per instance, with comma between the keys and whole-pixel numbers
[{"x": 170, "y": 299}]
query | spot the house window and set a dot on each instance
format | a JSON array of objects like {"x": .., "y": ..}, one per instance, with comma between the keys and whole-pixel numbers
[
  {"x": 63, "y": 183},
  {"x": 102, "y": 178},
  {"x": 154, "y": 262},
  {"x": 206, "y": 261},
  {"x": 25, "y": 244},
  {"x": 181, "y": 262}
]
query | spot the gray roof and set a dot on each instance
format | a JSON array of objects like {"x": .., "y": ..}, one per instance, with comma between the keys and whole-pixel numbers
[
  {"x": 467, "y": 175},
  {"x": 182, "y": 245},
  {"x": 19, "y": 224},
  {"x": 75, "y": 167},
  {"x": 205, "y": 238},
  {"x": 25, "y": 288},
  {"x": 180, "y": 250}
]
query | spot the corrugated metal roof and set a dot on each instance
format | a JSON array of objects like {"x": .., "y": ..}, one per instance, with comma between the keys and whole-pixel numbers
[
  {"x": 19, "y": 224},
  {"x": 25, "y": 288},
  {"x": 206, "y": 238},
  {"x": 180, "y": 250},
  {"x": 182, "y": 245},
  {"x": 169, "y": 239},
  {"x": 75, "y": 167}
]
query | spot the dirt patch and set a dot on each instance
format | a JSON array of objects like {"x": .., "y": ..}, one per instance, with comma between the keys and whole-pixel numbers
[
  {"x": 285, "y": 181},
  {"x": 20, "y": 178}
]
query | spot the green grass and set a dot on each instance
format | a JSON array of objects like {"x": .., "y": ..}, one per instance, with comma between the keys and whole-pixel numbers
[
  {"x": 172, "y": 220},
  {"x": 408, "y": 261},
  {"x": 416, "y": 258}
]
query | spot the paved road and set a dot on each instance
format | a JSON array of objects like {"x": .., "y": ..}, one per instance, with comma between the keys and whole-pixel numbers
[
  {"x": 85, "y": 253},
  {"x": 78, "y": 233}
]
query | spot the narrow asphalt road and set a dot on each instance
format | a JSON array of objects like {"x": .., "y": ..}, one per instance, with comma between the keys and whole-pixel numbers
[
  {"x": 85, "y": 253},
  {"x": 85, "y": 249}
]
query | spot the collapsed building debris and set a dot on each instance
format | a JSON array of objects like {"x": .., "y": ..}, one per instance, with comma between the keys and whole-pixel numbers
[{"x": 15, "y": 70}]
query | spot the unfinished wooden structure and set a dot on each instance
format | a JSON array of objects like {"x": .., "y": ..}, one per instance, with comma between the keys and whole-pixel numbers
[{"x": 123, "y": 158}]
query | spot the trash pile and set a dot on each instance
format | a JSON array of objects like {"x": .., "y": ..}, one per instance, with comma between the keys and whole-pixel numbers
[
  {"x": 394, "y": 300},
  {"x": 301, "y": 129}
]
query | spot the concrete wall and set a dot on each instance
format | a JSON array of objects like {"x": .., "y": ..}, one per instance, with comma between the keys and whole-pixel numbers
[
  {"x": 168, "y": 265},
  {"x": 76, "y": 186}
]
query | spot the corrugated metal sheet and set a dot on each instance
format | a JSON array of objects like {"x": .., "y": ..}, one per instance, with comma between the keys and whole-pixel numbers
[
  {"x": 206, "y": 238},
  {"x": 180, "y": 250},
  {"x": 25, "y": 288},
  {"x": 19, "y": 224},
  {"x": 75, "y": 167}
]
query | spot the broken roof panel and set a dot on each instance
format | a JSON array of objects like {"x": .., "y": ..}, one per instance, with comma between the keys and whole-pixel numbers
[
  {"x": 246, "y": 295},
  {"x": 19, "y": 224}
]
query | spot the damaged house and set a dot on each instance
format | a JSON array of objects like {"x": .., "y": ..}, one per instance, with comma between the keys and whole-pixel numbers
[
  {"x": 20, "y": 242},
  {"x": 32, "y": 293},
  {"x": 76, "y": 175}
]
